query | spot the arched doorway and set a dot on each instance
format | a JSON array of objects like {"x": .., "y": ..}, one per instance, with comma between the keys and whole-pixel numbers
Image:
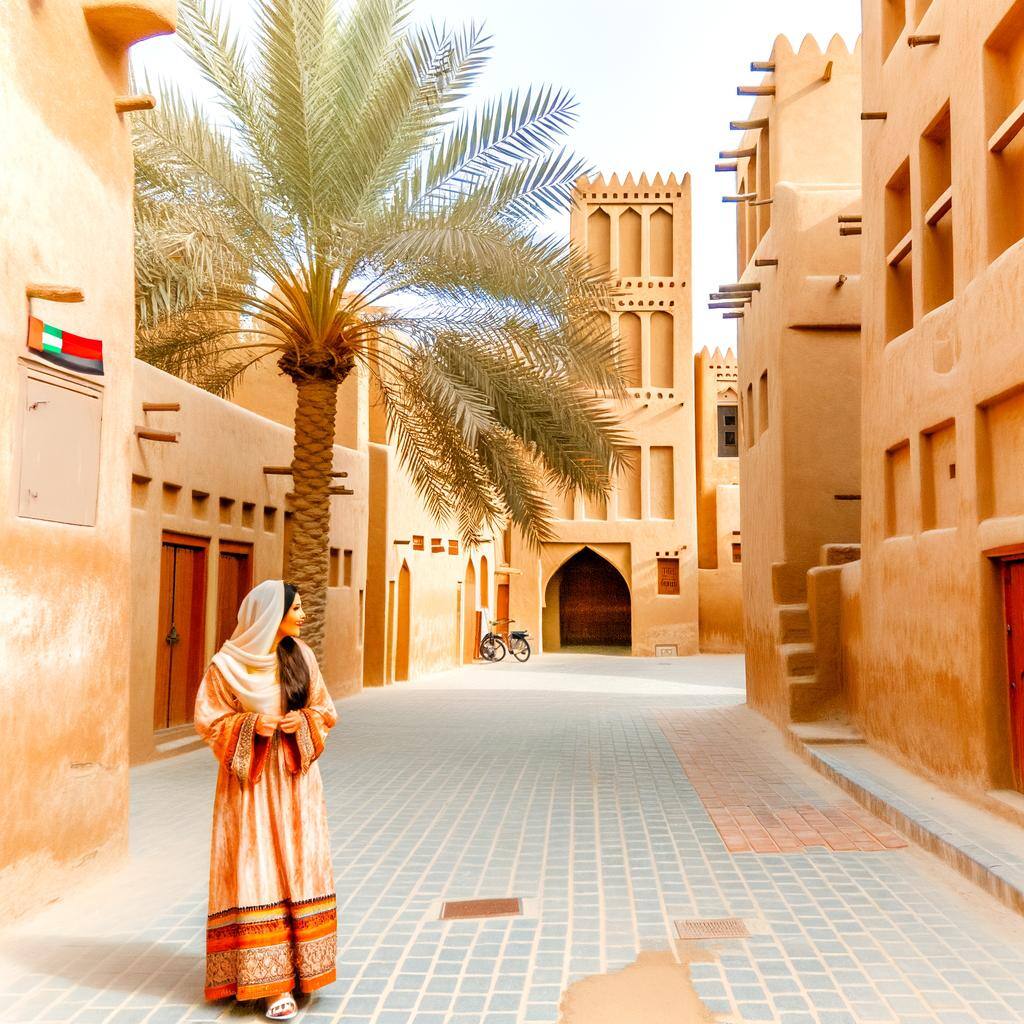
[
  {"x": 402, "y": 647},
  {"x": 587, "y": 604},
  {"x": 470, "y": 631}
]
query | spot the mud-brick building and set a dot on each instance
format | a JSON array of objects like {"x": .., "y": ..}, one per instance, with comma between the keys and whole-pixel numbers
[
  {"x": 796, "y": 301},
  {"x": 624, "y": 572},
  {"x": 66, "y": 413},
  {"x": 933, "y": 617},
  {"x": 719, "y": 538}
]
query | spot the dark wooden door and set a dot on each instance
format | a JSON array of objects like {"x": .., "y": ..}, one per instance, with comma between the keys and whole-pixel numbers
[
  {"x": 593, "y": 605},
  {"x": 503, "y": 605},
  {"x": 180, "y": 630},
  {"x": 1013, "y": 598},
  {"x": 234, "y": 581}
]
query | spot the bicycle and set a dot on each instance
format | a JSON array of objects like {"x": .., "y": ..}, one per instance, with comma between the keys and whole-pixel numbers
[{"x": 494, "y": 646}]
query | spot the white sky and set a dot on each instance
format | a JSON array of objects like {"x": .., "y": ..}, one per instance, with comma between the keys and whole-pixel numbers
[{"x": 656, "y": 85}]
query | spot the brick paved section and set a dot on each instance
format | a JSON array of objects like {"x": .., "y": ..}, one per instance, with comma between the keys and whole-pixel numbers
[
  {"x": 553, "y": 782},
  {"x": 760, "y": 802}
]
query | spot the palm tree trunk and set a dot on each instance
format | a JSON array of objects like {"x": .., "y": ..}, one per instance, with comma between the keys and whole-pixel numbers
[{"x": 316, "y": 405}]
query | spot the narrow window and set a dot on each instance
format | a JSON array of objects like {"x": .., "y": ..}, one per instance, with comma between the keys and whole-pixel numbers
[{"x": 728, "y": 448}]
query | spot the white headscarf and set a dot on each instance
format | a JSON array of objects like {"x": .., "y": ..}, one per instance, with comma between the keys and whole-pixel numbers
[{"x": 246, "y": 660}]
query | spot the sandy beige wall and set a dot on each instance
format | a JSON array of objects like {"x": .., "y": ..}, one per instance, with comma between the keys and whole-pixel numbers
[
  {"x": 446, "y": 587},
  {"x": 67, "y": 183},
  {"x": 719, "y": 584},
  {"x": 721, "y": 589},
  {"x": 931, "y": 681},
  {"x": 800, "y": 410},
  {"x": 220, "y": 455}
]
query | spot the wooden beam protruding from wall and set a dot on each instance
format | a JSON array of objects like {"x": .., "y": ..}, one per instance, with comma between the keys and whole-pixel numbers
[
  {"x": 827, "y": 74},
  {"x": 54, "y": 293},
  {"x": 148, "y": 434},
  {"x": 873, "y": 115},
  {"x": 129, "y": 104},
  {"x": 742, "y": 126},
  {"x": 850, "y": 229},
  {"x": 761, "y": 202},
  {"x": 731, "y": 166},
  {"x": 743, "y": 197},
  {"x": 732, "y": 316},
  {"x": 766, "y": 263},
  {"x": 161, "y": 406},
  {"x": 737, "y": 154},
  {"x": 841, "y": 280},
  {"x": 931, "y": 40},
  {"x": 762, "y": 65},
  {"x": 715, "y": 296},
  {"x": 728, "y": 305},
  {"x": 753, "y": 286},
  {"x": 850, "y": 218},
  {"x": 755, "y": 90}
]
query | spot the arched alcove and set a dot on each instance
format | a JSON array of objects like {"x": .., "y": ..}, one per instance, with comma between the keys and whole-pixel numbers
[
  {"x": 470, "y": 630},
  {"x": 599, "y": 239},
  {"x": 485, "y": 583},
  {"x": 629, "y": 348},
  {"x": 662, "y": 369},
  {"x": 587, "y": 604},
  {"x": 403, "y": 624},
  {"x": 661, "y": 243},
  {"x": 629, "y": 243}
]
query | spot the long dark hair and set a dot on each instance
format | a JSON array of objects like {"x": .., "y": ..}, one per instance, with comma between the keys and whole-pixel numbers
[{"x": 292, "y": 667}]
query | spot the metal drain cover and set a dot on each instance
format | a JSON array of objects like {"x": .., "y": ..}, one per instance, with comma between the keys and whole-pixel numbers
[
  {"x": 457, "y": 909},
  {"x": 712, "y": 928}
]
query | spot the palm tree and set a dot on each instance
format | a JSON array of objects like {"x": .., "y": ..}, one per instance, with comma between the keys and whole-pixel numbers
[{"x": 341, "y": 206}]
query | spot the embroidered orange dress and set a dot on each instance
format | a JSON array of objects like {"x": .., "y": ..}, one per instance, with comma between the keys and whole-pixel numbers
[{"x": 272, "y": 922}]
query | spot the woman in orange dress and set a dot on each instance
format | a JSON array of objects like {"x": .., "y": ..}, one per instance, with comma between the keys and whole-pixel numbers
[{"x": 264, "y": 710}]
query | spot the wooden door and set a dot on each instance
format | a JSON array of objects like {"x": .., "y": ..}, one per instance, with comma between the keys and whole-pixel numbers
[
  {"x": 503, "y": 606},
  {"x": 180, "y": 630},
  {"x": 234, "y": 581},
  {"x": 594, "y": 604},
  {"x": 1013, "y": 599}
]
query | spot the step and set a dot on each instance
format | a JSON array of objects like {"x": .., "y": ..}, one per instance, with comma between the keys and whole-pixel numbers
[
  {"x": 839, "y": 554},
  {"x": 799, "y": 659},
  {"x": 794, "y": 623},
  {"x": 809, "y": 698},
  {"x": 789, "y": 583},
  {"x": 824, "y": 733}
]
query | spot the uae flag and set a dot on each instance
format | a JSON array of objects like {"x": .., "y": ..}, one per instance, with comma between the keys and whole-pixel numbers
[{"x": 85, "y": 355}]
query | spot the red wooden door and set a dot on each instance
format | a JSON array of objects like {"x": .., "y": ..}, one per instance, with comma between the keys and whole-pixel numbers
[
  {"x": 180, "y": 629},
  {"x": 1013, "y": 599},
  {"x": 234, "y": 581}
]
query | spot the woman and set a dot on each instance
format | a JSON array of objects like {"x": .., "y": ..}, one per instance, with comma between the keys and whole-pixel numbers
[{"x": 264, "y": 710}]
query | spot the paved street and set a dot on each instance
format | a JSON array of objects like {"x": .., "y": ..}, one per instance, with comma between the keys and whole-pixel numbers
[{"x": 617, "y": 796}]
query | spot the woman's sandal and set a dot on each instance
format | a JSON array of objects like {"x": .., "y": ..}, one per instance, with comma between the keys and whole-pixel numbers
[{"x": 282, "y": 1008}]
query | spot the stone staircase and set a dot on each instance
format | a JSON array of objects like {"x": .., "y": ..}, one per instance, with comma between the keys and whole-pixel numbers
[{"x": 811, "y": 691}]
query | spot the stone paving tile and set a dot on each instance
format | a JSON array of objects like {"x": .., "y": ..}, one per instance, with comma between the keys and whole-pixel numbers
[
  {"x": 567, "y": 792},
  {"x": 757, "y": 802}
]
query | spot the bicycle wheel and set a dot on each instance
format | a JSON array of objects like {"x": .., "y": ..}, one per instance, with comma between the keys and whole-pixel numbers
[
  {"x": 520, "y": 648},
  {"x": 491, "y": 648}
]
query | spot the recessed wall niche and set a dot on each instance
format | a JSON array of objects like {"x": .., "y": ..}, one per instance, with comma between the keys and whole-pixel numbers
[{"x": 1004, "y": 117}]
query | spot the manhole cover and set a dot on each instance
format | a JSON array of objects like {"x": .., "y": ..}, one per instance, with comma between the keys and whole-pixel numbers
[
  {"x": 457, "y": 909},
  {"x": 712, "y": 928}
]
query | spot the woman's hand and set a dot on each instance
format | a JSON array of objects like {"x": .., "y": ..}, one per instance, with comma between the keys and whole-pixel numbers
[
  {"x": 292, "y": 722},
  {"x": 266, "y": 725}
]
